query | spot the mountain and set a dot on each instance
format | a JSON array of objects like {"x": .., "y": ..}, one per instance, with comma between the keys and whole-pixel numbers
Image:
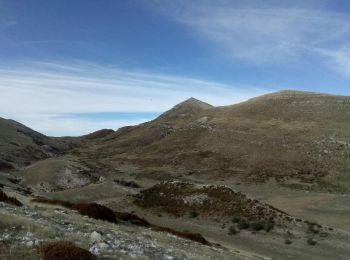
[
  {"x": 263, "y": 179},
  {"x": 21, "y": 146},
  {"x": 288, "y": 135}
]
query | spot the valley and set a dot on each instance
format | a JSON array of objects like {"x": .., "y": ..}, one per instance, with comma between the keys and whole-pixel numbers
[{"x": 268, "y": 178}]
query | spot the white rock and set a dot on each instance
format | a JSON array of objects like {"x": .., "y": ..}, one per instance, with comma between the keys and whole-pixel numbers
[
  {"x": 30, "y": 243},
  {"x": 102, "y": 245},
  {"x": 95, "y": 237}
]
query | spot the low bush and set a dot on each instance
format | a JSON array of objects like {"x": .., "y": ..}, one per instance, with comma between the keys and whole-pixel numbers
[
  {"x": 311, "y": 242},
  {"x": 95, "y": 211},
  {"x": 132, "y": 218},
  {"x": 236, "y": 219},
  {"x": 233, "y": 231},
  {"x": 192, "y": 236},
  {"x": 256, "y": 225},
  {"x": 288, "y": 242},
  {"x": 243, "y": 224},
  {"x": 268, "y": 226},
  {"x": 131, "y": 184},
  {"x": 64, "y": 251},
  {"x": 194, "y": 214},
  {"x": 9, "y": 200}
]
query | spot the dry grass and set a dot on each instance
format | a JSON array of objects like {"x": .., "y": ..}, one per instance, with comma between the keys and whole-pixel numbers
[
  {"x": 10, "y": 200},
  {"x": 100, "y": 212}
]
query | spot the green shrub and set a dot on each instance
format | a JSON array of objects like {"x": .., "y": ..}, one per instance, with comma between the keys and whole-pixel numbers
[
  {"x": 288, "y": 242},
  {"x": 236, "y": 219},
  {"x": 311, "y": 242},
  {"x": 243, "y": 224},
  {"x": 256, "y": 225},
  {"x": 194, "y": 214},
  {"x": 268, "y": 226},
  {"x": 233, "y": 231}
]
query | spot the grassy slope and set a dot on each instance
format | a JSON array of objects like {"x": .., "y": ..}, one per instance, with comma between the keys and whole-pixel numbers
[
  {"x": 20, "y": 145},
  {"x": 285, "y": 135}
]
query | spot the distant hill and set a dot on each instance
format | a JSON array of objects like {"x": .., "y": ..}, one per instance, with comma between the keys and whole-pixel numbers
[
  {"x": 20, "y": 145},
  {"x": 288, "y": 135}
]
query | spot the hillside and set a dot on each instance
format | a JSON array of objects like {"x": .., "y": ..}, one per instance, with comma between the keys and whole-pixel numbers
[
  {"x": 263, "y": 179},
  {"x": 20, "y": 145},
  {"x": 288, "y": 135}
]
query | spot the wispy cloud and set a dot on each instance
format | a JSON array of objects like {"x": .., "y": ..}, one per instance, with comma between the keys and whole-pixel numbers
[
  {"x": 282, "y": 32},
  {"x": 41, "y": 94}
]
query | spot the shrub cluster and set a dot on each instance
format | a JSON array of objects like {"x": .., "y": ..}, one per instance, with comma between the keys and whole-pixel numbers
[
  {"x": 64, "y": 251},
  {"x": 95, "y": 211},
  {"x": 255, "y": 225}
]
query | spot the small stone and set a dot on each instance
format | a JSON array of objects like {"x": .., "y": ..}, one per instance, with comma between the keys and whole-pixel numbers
[
  {"x": 29, "y": 243},
  {"x": 95, "y": 237}
]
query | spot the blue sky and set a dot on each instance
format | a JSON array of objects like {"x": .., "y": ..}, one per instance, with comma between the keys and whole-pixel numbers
[{"x": 69, "y": 67}]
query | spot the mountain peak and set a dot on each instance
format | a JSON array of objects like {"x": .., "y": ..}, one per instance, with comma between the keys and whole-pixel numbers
[
  {"x": 187, "y": 107},
  {"x": 194, "y": 103}
]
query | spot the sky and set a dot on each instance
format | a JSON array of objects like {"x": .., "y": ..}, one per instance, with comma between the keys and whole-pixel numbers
[{"x": 71, "y": 67}]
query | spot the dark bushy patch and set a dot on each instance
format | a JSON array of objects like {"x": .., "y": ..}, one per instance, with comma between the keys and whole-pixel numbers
[
  {"x": 311, "y": 242},
  {"x": 288, "y": 242},
  {"x": 10, "y": 200},
  {"x": 64, "y": 251},
  {"x": 194, "y": 214},
  {"x": 233, "y": 230},
  {"x": 243, "y": 224},
  {"x": 95, "y": 211},
  {"x": 256, "y": 225},
  {"x": 192, "y": 236},
  {"x": 62, "y": 203},
  {"x": 131, "y": 184},
  {"x": 14, "y": 180},
  {"x": 236, "y": 219},
  {"x": 268, "y": 226},
  {"x": 132, "y": 218}
]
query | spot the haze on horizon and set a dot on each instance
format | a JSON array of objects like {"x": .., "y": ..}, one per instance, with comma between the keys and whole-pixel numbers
[{"x": 73, "y": 67}]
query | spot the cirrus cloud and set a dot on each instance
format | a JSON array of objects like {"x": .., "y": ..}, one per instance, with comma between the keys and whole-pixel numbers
[{"x": 51, "y": 97}]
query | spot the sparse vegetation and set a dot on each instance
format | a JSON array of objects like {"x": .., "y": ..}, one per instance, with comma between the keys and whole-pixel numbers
[
  {"x": 179, "y": 199},
  {"x": 311, "y": 242},
  {"x": 256, "y": 225},
  {"x": 233, "y": 230},
  {"x": 243, "y": 224},
  {"x": 194, "y": 214},
  {"x": 10, "y": 200},
  {"x": 131, "y": 184},
  {"x": 288, "y": 241},
  {"x": 236, "y": 219}
]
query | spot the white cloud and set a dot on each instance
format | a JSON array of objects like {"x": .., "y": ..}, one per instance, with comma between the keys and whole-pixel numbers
[
  {"x": 258, "y": 32},
  {"x": 40, "y": 94},
  {"x": 337, "y": 59}
]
